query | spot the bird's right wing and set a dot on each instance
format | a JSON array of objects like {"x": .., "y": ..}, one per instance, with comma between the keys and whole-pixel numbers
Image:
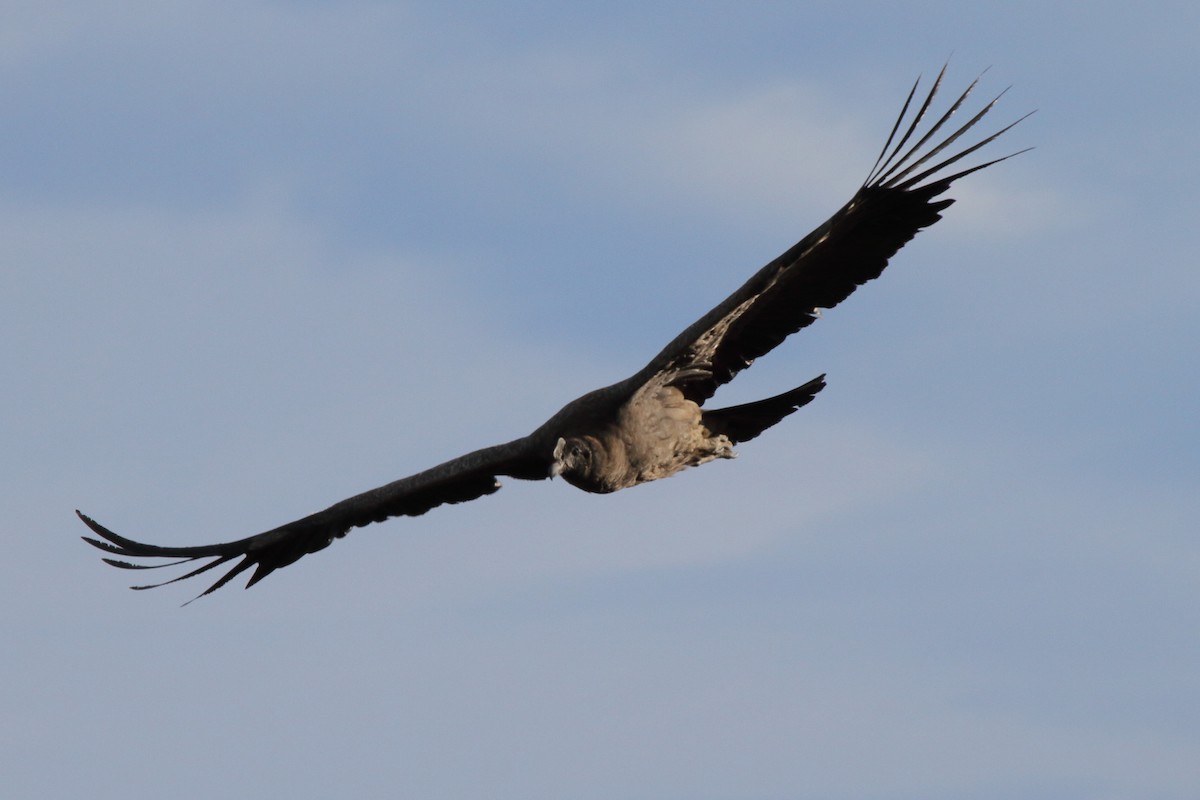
[{"x": 456, "y": 481}]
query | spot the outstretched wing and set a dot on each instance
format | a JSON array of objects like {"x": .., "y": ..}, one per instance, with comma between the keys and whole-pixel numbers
[
  {"x": 456, "y": 481},
  {"x": 820, "y": 271}
]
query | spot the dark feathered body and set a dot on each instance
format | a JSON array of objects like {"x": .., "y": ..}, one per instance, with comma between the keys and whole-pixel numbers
[{"x": 654, "y": 423}]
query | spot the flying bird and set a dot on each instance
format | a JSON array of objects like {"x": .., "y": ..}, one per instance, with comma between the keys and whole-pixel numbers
[{"x": 654, "y": 423}]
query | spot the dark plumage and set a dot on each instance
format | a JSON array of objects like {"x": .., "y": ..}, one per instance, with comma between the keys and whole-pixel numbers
[{"x": 652, "y": 424}]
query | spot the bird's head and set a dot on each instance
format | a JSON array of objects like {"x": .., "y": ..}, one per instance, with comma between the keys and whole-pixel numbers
[
  {"x": 579, "y": 461},
  {"x": 570, "y": 455}
]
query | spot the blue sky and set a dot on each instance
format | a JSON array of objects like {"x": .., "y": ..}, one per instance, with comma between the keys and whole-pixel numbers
[{"x": 261, "y": 256}]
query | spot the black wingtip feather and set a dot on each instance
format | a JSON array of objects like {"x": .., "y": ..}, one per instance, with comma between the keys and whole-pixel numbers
[
  {"x": 895, "y": 170},
  {"x": 120, "y": 545}
]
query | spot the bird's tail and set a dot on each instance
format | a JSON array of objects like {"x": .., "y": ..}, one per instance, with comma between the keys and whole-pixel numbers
[{"x": 742, "y": 423}]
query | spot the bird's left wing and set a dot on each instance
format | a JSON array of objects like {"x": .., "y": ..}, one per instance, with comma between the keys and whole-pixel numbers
[
  {"x": 456, "y": 481},
  {"x": 897, "y": 200}
]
